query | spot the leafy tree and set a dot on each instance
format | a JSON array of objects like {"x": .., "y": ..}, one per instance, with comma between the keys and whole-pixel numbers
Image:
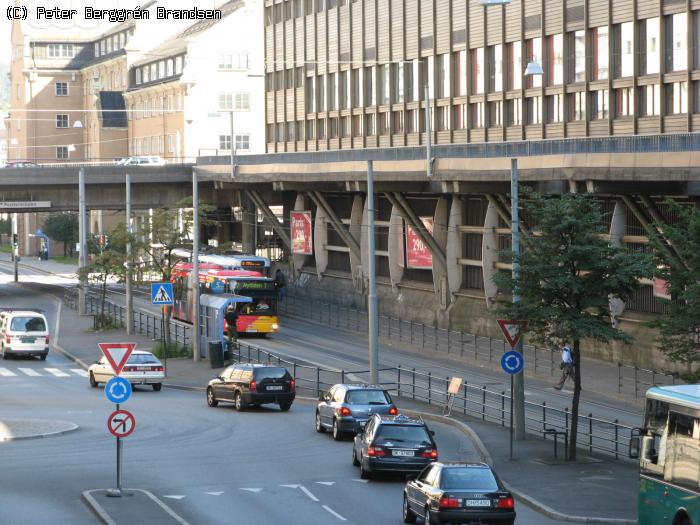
[
  {"x": 679, "y": 326},
  {"x": 62, "y": 227},
  {"x": 568, "y": 274},
  {"x": 5, "y": 226}
]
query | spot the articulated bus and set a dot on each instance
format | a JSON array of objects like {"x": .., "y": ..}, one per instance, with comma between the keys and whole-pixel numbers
[
  {"x": 257, "y": 317},
  {"x": 230, "y": 261},
  {"x": 668, "y": 448}
]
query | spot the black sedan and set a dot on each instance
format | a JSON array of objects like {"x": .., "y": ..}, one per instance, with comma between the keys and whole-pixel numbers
[{"x": 458, "y": 493}]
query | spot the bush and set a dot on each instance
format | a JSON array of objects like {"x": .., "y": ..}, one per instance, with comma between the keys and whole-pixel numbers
[
  {"x": 104, "y": 322},
  {"x": 173, "y": 350}
]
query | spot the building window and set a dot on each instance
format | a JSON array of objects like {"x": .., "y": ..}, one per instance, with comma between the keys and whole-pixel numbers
[
  {"x": 225, "y": 61},
  {"x": 333, "y": 128},
  {"x": 355, "y": 87},
  {"x": 344, "y": 127},
  {"x": 398, "y": 82},
  {"x": 225, "y": 142},
  {"x": 556, "y": 59},
  {"x": 534, "y": 110},
  {"x": 579, "y": 56},
  {"x": 97, "y": 49},
  {"x": 651, "y": 100},
  {"x": 534, "y": 54},
  {"x": 412, "y": 83},
  {"x": 397, "y": 122},
  {"x": 62, "y": 153},
  {"x": 343, "y": 90},
  {"x": 677, "y": 42},
  {"x": 321, "y": 129},
  {"x": 178, "y": 65},
  {"x": 599, "y": 104},
  {"x": 495, "y": 61},
  {"x": 61, "y": 121},
  {"x": 243, "y": 140},
  {"x": 442, "y": 118},
  {"x": 369, "y": 125},
  {"x": 384, "y": 124},
  {"x": 225, "y": 101},
  {"x": 146, "y": 76},
  {"x": 626, "y": 51},
  {"x": 242, "y": 101},
  {"x": 477, "y": 112},
  {"x": 624, "y": 102},
  {"x": 555, "y": 108},
  {"x": 171, "y": 143},
  {"x": 600, "y": 53},
  {"x": 677, "y": 98},
  {"x": 310, "y": 130},
  {"x": 61, "y": 50},
  {"x": 383, "y": 83},
  {"x": 459, "y": 116},
  {"x": 515, "y": 65},
  {"x": 320, "y": 94},
  {"x": 496, "y": 114},
  {"x": 515, "y": 112},
  {"x": 332, "y": 92},
  {"x": 310, "y": 95},
  {"x": 651, "y": 26},
  {"x": 443, "y": 65},
  {"x": 357, "y": 125},
  {"x": 161, "y": 69},
  {"x": 61, "y": 89},
  {"x": 579, "y": 105},
  {"x": 478, "y": 71},
  {"x": 460, "y": 73},
  {"x": 154, "y": 71}
]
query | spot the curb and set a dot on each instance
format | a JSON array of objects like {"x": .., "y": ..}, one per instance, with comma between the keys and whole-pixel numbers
[
  {"x": 39, "y": 436},
  {"x": 105, "y": 518},
  {"x": 524, "y": 498}
]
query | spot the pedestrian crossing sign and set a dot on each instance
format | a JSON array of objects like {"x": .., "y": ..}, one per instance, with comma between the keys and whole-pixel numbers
[{"x": 161, "y": 293}]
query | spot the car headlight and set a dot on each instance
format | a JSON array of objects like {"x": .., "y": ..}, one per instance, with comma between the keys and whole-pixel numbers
[{"x": 275, "y": 326}]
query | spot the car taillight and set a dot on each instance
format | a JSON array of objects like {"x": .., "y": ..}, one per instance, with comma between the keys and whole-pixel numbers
[
  {"x": 8, "y": 339},
  {"x": 157, "y": 369},
  {"x": 430, "y": 453},
  {"x": 447, "y": 502},
  {"x": 345, "y": 411},
  {"x": 506, "y": 503},
  {"x": 292, "y": 386},
  {"x": 253, "y": 386},
  {"x": 129, "y": 369},
  {"x": 376, "y": 452},
  {"x": 47, "y": 340},
  {"x": 393, "y": 411}
]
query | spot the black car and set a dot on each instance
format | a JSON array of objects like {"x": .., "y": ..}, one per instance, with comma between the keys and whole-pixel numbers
[
  {"x": 458, "y": 493},
  {"x": 398, "y": 444},
  {"x": 248, "y": 384},
  {"x": 347, "y": 408}
]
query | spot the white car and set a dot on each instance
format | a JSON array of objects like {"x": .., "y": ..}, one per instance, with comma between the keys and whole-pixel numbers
[
  {"x": 151, "y": 160},
  {"x": 24, "y": 332},
  {"x": 142, "y": 368}
]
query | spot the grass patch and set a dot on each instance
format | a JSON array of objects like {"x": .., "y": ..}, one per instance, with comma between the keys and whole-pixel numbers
[
  {"x": 64, "y": 259},
  {"x": 6, "y": 248},
  {"x": 173, "y": 349}
]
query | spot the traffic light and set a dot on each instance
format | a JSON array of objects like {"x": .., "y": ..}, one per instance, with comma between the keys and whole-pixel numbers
[{"x": 15, "y": 240}]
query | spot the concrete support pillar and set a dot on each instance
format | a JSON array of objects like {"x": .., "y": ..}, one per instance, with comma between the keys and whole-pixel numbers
[
  {"x": 454, "y": 248},
  {"x": 439, "y": 270},
  {"x": 248, "y": 223},
  {"x": 396, "y": 247},
  {"x": 489, "y": 253},
  {"x": 618, "y": 226},
  {"x": 321, "y": 241},
  {"x": 356, "y": 232}
]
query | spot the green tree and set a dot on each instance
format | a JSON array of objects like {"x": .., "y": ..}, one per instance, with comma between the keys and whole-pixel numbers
[
  {"x": 62, "y": 227},
  {"x": 679, "y": 325},
  {"x": 568, "y": 273}
]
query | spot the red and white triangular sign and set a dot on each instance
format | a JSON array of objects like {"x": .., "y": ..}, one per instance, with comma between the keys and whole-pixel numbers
[
  {"x": 512, "y": 330},
  {"x": 117, "y": 354}
]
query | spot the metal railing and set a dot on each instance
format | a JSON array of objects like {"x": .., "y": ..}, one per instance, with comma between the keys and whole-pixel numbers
[{"x": 632, "y": 381}]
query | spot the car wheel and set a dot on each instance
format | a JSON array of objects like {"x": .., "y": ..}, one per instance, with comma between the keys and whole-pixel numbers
[
  {"x": 364, "y": 474},
  {"x": 319, "y": 427},
  {"x": 429, "y": 518},
  {"x": 285, "y": 406},
  {"x": 93, "y": 383},
  {"x": 157, "y": 386},
  {"x": 238, "y": 402},
  {"x": 354, "y": 458},
  {"x": 337, "y": 433},
  {"x": 42, "y": 357},
  {"x": 4, "y": 354},
  {"x": 211, "y": 398},
  {"x": 408, "y": 515}
]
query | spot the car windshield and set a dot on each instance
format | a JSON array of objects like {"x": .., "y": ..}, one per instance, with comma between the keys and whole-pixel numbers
[
  {"x": 367, "y": 397},
  {"x": 410, "y": 433},
  {"x": 28, "y": 324},
  {"x": 270, "y": 373},
  {"x": 143, "y": 359},
  {"x": 456, "y": 478}
]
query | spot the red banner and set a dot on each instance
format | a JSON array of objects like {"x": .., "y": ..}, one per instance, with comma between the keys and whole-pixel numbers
[
  {"x": 300, "y": 225},
  {"x": 418, "y": 255},
  {"x": 661, "y": 289}
]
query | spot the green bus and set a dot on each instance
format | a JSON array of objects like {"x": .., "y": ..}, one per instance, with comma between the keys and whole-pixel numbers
[{"x": 668, "y": 448}]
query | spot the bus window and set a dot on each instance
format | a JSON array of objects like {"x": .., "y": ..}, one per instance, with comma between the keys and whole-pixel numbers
[{"x": 683, "y": 450}]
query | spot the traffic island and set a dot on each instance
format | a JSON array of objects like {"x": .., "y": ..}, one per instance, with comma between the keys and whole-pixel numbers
[
  {"x": 134, "y": 506},
  {"x": 13, "y": 429}
]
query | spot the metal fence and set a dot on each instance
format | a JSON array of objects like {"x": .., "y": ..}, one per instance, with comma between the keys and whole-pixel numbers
[{"x": 631, "y": 380}]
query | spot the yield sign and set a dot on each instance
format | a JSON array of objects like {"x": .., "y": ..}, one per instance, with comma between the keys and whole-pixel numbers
[
  {"x": 117, "y": 354},
  {"x": 512, "y": 330}
]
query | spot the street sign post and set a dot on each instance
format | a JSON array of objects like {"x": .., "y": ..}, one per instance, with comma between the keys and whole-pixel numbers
[
  {"x": 512, "y": 362},
  {"x": 117, "y": 354},
  {"x": 162, "y": 294},
  {"x": 452, "y": 391},
  {"x": 118, "y": 390}
]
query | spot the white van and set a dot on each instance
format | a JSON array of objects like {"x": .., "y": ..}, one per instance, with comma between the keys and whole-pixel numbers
[{"x": 24, "y": 332}]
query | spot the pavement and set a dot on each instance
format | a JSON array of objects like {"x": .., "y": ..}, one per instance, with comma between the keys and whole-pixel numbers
[{"x": 592, "y": 489}]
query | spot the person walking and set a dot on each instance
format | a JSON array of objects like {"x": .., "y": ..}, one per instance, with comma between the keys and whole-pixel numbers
[
  {"x": 280, "y": 283},
  {"x": 231, "y": 318},
  {"x": 566, "y": 365}
]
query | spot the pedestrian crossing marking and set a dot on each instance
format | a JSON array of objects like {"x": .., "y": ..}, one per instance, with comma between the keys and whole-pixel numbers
[
  {"x": 29, "y": 372},
  {"x": 57, "y": 372},
  {"x": 79, "y": 371},
  {"x": 6, "y": 373}
]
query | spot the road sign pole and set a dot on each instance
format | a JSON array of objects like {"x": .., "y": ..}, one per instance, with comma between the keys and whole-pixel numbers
[
  {"x": 163, "y": 344},
  {"x": 512, "y": 377}
]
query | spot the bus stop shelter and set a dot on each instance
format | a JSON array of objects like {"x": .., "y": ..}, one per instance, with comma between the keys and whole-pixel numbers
[{"x": 212, "y": 309}]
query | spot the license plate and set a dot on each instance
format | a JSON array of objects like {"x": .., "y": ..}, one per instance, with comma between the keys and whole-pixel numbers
[
  {"x": 477, "y": 503},
  {"x": 275, "y": 387},
  {"x": 403, "y": 453},
  {"x": 252, "y": 330},
  {"x": 28, "y": 339},
  {"x": 143, "y": 368}
]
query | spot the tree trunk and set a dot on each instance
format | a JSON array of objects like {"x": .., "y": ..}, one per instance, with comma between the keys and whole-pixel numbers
[
  {"x": 104, "y": 297},
  {"x": 573, "y": 434}
]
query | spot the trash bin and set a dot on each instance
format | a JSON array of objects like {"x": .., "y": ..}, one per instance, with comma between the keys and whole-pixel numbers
[
  {"x": 216, "y": 354},
  {"x": 227, "y": 351}
]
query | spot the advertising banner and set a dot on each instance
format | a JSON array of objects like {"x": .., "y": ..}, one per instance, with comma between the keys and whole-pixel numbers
[
  {"x": 300, "y": 225},
  {"x": 418, "y": 255},
  {"x": 661, "y": 288}
]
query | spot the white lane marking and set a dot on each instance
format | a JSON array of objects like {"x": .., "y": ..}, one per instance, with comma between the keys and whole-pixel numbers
[
  {"x": 4, "y": 372},
  {"x": 326, "y": 483},
  {"x": 57, "y": 372},
  {"x": 174, "y": 496},
  {"x": 30, "y": 372},
  {"x": 303, "y": 489},
  {"x": 250, "y": 489},
  {"x": 327, "y": 508},
  {"x": 214, "y": 493},
  {"x": 79, "y": 371},
  {"x": 361, "y": 480}
]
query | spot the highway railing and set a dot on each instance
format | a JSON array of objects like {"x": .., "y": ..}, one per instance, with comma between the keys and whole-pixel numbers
[{"x": 632, "y": 381}]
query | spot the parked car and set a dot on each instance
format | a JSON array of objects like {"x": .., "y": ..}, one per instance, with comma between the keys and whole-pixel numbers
[
  {"x": 147, "y": 160},
  {"x": 398, "y": 444},
  {"x": 142, "y": 368},
  {"x": 252, "y": 384},
  {"x": 458, "y": 493},
  {"x": 20, "y": 164},
  {"x": 347, "y": 408},
  {"x": 24, "y": 332}
]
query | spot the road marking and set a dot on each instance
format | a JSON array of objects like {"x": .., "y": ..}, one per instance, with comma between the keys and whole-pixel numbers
[
  {"x": 250, "y": 489},
  {"x": 79, "y": 371},
  {"x": 304, "y": 490},
  {"x": 327, "y": 483},
  {"x": 328, "y": 509},
  {"x": 214, "y": 493},
  {"x": 4, "y": 372},
  {"x": 30, "y": 372},
  {"x": 57, "y": 372},
  {"x": 174, "y": 497},
  {"x": 361, "y": 480}
]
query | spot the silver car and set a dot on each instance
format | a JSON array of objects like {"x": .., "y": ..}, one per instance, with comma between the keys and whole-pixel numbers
[
  {"x": 142, "y": 368},
  {"x": 345, "y": 409}
]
